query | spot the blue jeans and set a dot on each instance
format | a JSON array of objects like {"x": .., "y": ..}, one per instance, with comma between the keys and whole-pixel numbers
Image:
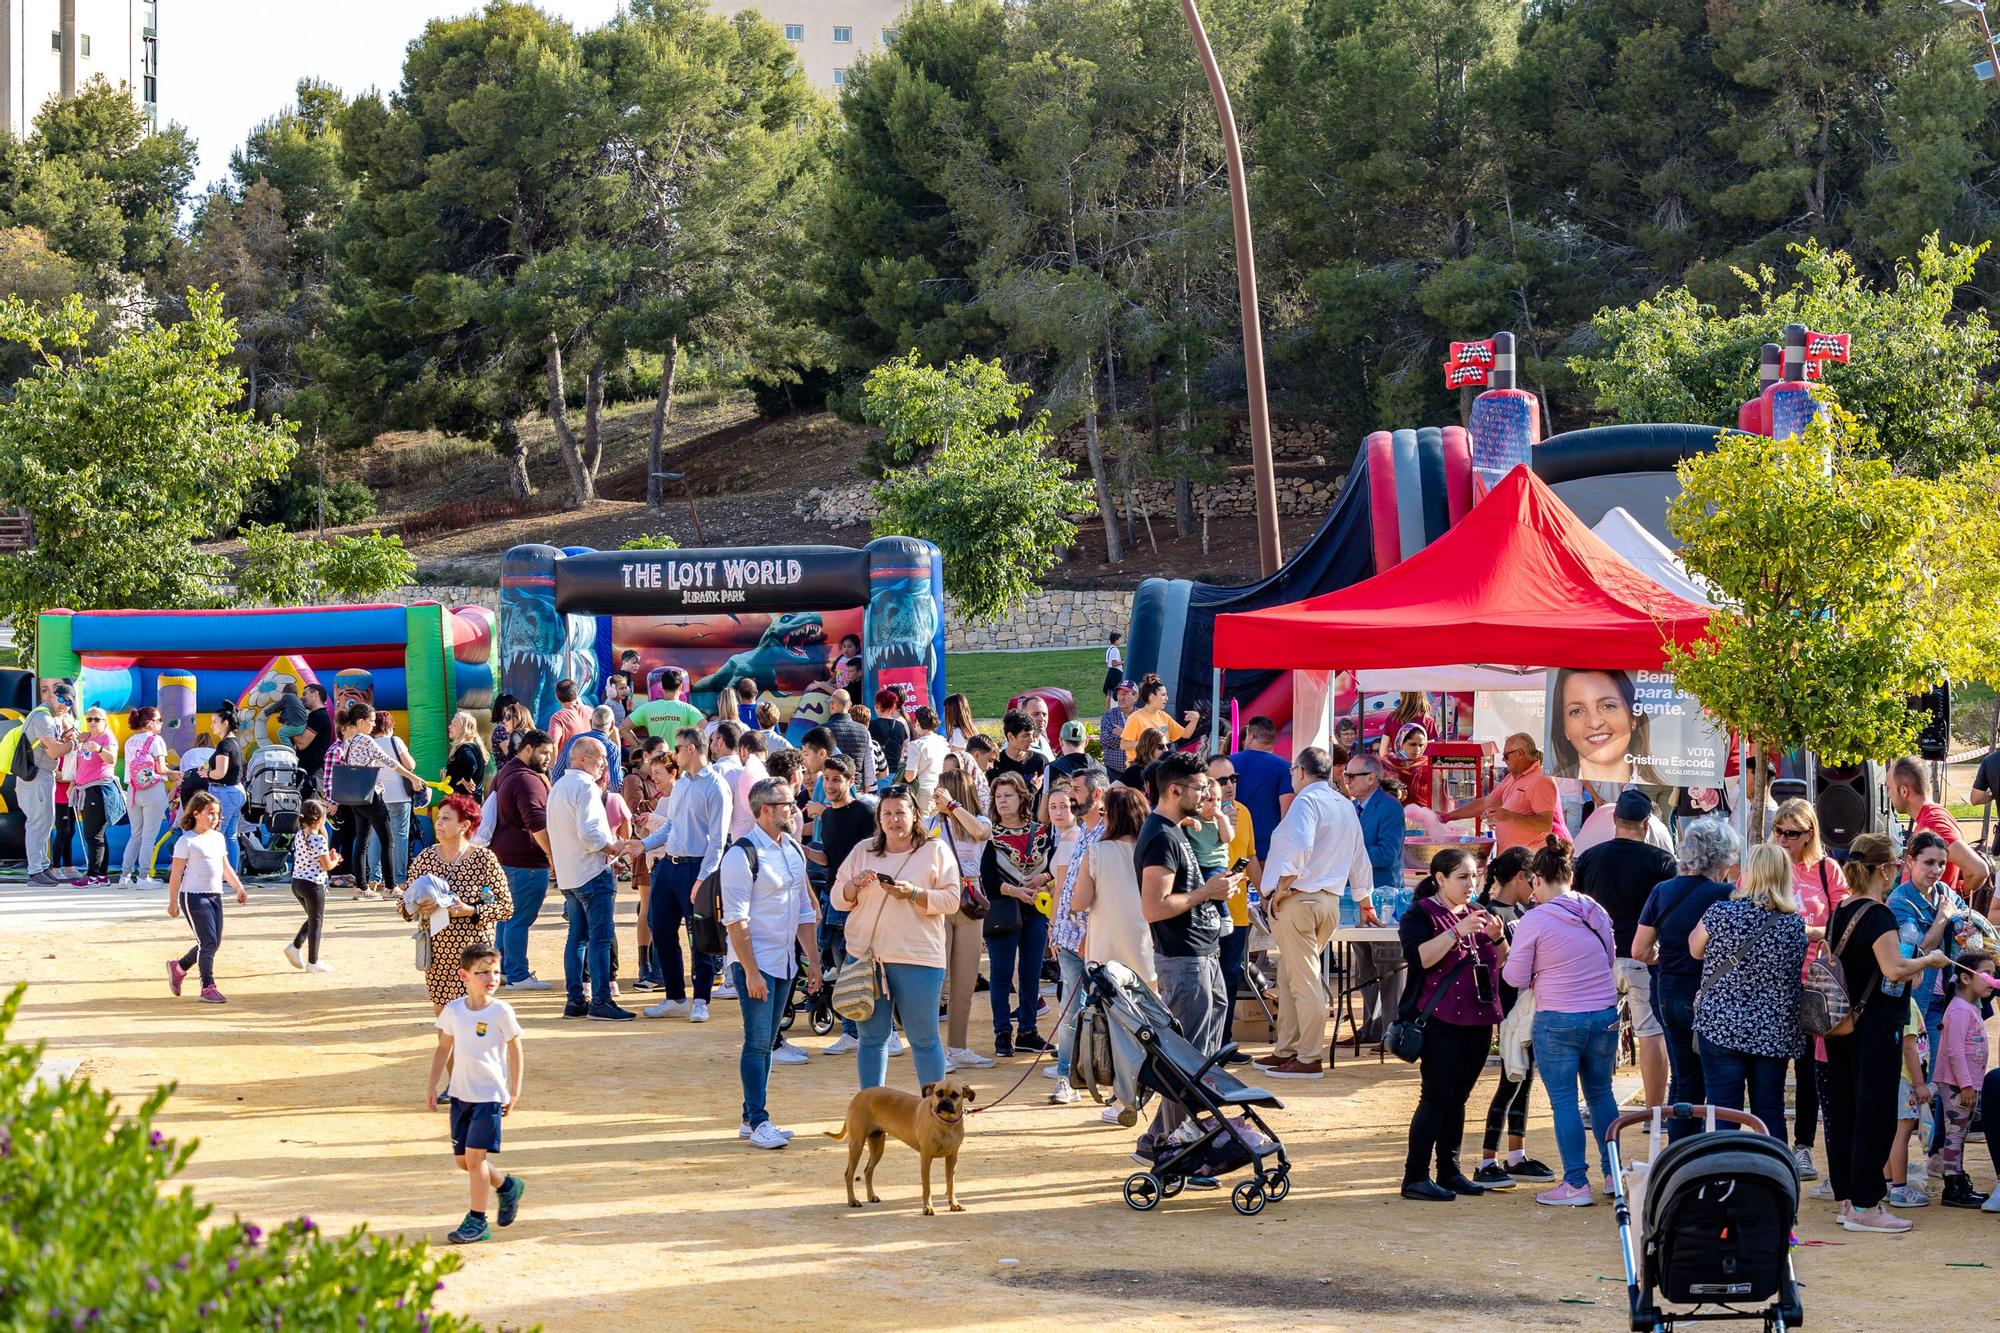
[
  {"x": 1017, "y": 952},
  {"x": 590, "y": 926},
  {"x": 1070, "y": 1008},
  {"x": 672, "y": 904},
  {"x": 833, "y": 949},
  {"x": 231, "y": 800},
  {"x": 1728, "y": 1072},
  {"x": 1569, "y": 1047},
  {"x": 1234, "y": 949},
  {"x": 913, "y": 994},
  {"x": 1685, "y": 1082},
  {"x": 760, "y": 1024},
  {"x": 529, "y": 888}
]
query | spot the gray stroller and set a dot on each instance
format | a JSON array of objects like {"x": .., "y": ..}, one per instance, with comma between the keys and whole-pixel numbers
[
  {"x": 1126, "y": 1038},
  {"x": 273, "y": 791}
]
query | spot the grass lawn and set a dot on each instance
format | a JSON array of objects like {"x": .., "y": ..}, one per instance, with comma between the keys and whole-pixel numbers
[{"x": 991, "y": 679}]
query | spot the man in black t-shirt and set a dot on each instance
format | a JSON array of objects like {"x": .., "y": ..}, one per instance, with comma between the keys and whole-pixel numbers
[
  {"x": 890, "y": 729},
  {"x": 1187, "y": 918},
  {"x": 1017, "y": 757},
  {"x": 845, "y": 822},
  {"x": 314, "y": 740},
  {"x": 1620, "y": 875}
]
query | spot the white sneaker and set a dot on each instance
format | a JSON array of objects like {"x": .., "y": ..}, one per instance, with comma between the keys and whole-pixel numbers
[
  {"x": 722, "y": 991},
  {"x": 1992, "y": 1204},
  {"x": 966, "y": 1059},
  {"x": 766, "y": 1135},
  {"x": 949, "y": 1067},
  {"x": 127, "y": 882},
  {"x": 1049, "y": 1071},
  {"x": 530, "y": 982},
  {"x": 895, "y": 1046},
  {"x": 788, "y": 1054},
  {"x": 699, "y": 1013},
  {"x": 1824, "y": 1192},
  {"x": 1803, "y": 1159},
  {"x": 743, "y": 1130},
  {"x": 1111, "y": 1113},
  {"x": 318, "y": 967},
  {"x": 293, "y": 956},
  {"x": 1064, "y": 1094},
  {"x": 843, "y": 1044},
  {"x": 668, "y": 1009}
]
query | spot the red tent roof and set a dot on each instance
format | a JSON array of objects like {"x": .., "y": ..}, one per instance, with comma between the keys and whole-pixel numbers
[{"x": 1518, "y": 582}]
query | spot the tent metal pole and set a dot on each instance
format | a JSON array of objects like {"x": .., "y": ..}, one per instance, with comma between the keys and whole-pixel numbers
[{"x": 1215, "y": 714}]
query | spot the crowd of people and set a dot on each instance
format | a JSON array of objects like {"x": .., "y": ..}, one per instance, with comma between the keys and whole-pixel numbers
[{"x": 945, "y": 863}]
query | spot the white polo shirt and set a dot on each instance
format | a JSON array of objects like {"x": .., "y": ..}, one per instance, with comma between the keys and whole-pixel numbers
[{"x": 775, "y": 906}]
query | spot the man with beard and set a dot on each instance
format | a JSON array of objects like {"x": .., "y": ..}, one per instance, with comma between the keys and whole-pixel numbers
[
  {"x": 769, "y": 912},
  {"x": 521, "y": 844}
]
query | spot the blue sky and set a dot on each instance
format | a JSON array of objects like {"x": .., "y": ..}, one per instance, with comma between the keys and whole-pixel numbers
[{"x": 227, "y": 64}]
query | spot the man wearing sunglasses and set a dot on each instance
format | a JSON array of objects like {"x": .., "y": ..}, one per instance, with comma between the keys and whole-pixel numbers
[
  {"x": 1379, "y": 967},
  {"x": 769, "y": 912}
]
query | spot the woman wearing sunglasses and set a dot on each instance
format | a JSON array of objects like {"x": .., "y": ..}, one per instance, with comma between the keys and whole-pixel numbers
[{"x": 1819, "y": 888}]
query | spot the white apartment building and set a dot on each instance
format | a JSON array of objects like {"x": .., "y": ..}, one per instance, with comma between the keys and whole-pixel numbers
[
  {"x": 51, "y": 48},
  {"x": 829, "y": 35}
]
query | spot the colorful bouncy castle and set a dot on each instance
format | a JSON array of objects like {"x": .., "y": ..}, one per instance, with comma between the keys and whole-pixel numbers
[{"x": 774, "y": 614}]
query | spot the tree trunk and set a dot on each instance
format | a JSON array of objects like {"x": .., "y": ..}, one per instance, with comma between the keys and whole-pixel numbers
[
  {"x": 663, "y": 404},
  {"x": 1756, "y": 781},
  {"x": 507, "y": 442},
  {"x": 582, "y": 483},
  {"x": 593, "y": 417},
  {"x": 1114, "y": 549}
]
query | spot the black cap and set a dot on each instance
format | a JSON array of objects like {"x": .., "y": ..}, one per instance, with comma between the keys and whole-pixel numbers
[{"x": 1633, "y": 807}]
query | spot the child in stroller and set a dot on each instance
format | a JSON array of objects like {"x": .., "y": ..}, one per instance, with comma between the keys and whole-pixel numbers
[{"x": 1126, "y": 1037}]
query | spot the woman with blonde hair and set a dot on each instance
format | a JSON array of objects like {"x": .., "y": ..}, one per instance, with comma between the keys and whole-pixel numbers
[
  {"x": 1819, "y": 888},
  {"x": 1752, "y": 947},
  {"x": 465, "y": 770},
  {"x": 1864, "y": 1066},
  {"x": 955, "y": 820}
]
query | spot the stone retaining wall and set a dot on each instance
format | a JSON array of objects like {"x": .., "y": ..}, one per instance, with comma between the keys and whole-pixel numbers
[{"x": 842, "y": 506}]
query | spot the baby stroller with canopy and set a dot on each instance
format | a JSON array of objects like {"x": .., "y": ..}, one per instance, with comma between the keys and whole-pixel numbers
[
  {"x": 273, "y": 791},
  {"x": 1716, "y": 1212},
  {"x": 1126, "y": 1038}
]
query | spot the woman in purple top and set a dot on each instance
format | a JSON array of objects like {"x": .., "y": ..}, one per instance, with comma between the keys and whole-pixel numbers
[
  {"x": 1454, "y": 950},
  {"x": 1565, "y": 951}
]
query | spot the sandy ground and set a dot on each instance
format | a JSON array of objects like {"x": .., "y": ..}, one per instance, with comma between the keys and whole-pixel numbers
[{"x": 645, "y": 1212}]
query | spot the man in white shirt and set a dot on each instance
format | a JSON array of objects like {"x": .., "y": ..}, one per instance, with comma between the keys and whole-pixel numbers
[
  {"x": 1317, "y": 856},
  {"x": 580, "y": 850},
  {"x": 923, "y": 757},
  {"x": 749, "y": 772},
  {"x": 769, "y": 916},
  {"x": 691, "y": 840},
  {"x": 1037, "y": 709}
]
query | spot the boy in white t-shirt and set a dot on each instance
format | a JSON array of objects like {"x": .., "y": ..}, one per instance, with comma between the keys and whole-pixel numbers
[{"x": 479, "y": 1037}]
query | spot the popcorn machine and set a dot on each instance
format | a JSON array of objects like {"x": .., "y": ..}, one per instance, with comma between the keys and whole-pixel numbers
[{"x": 1462, "y": 771}]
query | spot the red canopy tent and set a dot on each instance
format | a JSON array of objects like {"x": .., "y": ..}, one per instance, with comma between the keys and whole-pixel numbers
[{"x": 1519, "y": 582}]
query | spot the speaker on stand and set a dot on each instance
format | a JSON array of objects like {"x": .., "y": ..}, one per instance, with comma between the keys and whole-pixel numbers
[{"x": 1850, "y": 799}]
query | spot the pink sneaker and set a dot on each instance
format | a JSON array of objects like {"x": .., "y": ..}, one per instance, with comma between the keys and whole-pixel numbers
[
  {"x": 210, "y": 995},
  {"x": 175, "y": 974},
  {"x": 1567, "y": 1196}
]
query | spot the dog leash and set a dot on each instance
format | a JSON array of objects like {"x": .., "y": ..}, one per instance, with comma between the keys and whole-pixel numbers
[{"x": 1075, "y": 993}]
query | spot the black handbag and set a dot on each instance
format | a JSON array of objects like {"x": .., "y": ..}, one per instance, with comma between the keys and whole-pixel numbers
[
  {"x": 1404, "y": 1038},
  {"x": 354, "y": 784},
  {"x": 973, "y": 904}
]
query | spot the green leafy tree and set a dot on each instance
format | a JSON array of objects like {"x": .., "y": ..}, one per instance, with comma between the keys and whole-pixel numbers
[
  {"x": 97, "y": 1237},
  {"x": 922, "y": 408},
  {"x": 124, "y": 459},
  {"x": 1915, "y": 370},
  {"x": 283, "y": 569},
  {"x": 650, "y": 541},
  {"x": 1842, "y": 588},
  {"x": 995, "y": 502}
]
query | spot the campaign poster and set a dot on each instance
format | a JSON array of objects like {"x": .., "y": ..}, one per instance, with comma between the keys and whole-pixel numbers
[{"x": 1628, "y": 727}]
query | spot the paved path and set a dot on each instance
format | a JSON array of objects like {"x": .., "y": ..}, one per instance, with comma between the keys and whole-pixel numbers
[{"x": 26, "y": 907}]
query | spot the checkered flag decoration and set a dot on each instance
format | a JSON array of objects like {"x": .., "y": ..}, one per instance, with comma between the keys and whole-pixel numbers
[
  {"x": 1470, "y": 364},
  {"x": 1822, "y": 347}
]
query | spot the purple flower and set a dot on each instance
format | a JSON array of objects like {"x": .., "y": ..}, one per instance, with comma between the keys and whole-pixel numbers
[
  {"x": 252, "y": 1233},
  {"x": 182, "y": 1262},
  {"x": 152, "y": 1283},
  {"x": 204, "y": 1309},
  {"x": 307, "y": 1224},
  {"x": 232, "y": 1265},
  {"x": 439, "y": 1286},
  {"x": 158, "y": 1140},
  {"x": 88, "y": 1315}
]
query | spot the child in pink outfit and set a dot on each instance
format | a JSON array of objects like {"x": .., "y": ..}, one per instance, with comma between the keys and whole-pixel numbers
[{"x": 1960, "y": 1065}]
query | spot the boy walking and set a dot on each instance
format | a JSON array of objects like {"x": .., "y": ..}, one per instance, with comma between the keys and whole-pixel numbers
[{"x": 479, "y": 1037}]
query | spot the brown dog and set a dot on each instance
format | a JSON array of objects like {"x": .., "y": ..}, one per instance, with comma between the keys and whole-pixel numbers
[{"x": 933, "y": 1124}]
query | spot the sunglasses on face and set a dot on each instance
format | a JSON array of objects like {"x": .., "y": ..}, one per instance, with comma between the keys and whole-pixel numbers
[
  {"x": 1350, "y": 774},
  {"x": 1226, "y": 782},
  {"x": 1788, "y": 832}
]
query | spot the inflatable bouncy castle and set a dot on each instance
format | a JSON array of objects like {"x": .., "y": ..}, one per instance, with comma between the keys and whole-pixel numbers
[{"x": 775, "y": 614}]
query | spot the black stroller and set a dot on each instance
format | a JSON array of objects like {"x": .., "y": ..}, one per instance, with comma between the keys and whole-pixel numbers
[
  {"x": 1716, "y": 1212},
  {"x": 1125, "y": 1037}
]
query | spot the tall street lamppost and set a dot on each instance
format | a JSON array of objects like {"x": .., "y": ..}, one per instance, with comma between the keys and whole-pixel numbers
[
  {"x": 1988, "y": 68},
  {"x": 1270, "y": 551}
]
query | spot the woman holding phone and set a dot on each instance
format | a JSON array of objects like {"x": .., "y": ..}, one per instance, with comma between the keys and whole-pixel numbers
[{"x": 1454, "y": 950}]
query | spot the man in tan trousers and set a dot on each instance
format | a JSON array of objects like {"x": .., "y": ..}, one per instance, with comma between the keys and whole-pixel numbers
[{"x": 1317, "y": 855}]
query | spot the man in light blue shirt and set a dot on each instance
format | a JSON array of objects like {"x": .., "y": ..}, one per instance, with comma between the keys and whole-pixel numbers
[
  {"x": 1378, "y": 966},
  {"x": 693, "y": 836},
  {"x": 580, "y": 849},
  {"x": 769, "y": 916}
]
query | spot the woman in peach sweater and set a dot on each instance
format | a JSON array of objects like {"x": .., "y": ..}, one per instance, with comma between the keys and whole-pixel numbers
[{"x": 898, "y": 889}]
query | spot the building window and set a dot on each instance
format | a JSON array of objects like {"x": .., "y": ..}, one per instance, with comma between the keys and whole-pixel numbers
[
  {"x": 840, "y": 78},
  {"x": 795, "y": 32},
  {"x": 86, "y": 46},
  {"x": 888, "y": 36},
  {"x": 55, "y": 40},
  {"x": 843, "y": 34}
]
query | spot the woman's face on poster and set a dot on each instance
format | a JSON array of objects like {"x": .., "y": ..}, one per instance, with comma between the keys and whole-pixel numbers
[{"x": 1596, "y": 720}]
